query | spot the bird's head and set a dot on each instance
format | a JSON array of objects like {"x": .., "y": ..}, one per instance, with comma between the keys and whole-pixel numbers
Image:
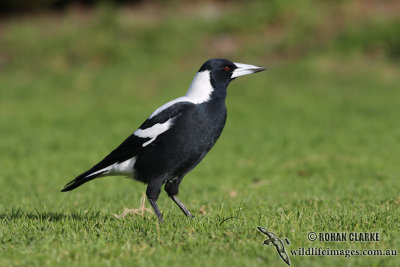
[
  {"x": 223, "y": 71},
  {"x": 215, "y": 75}
]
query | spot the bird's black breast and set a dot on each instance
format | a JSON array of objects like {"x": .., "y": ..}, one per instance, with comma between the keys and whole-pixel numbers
[{"x": 179, "y": 149}]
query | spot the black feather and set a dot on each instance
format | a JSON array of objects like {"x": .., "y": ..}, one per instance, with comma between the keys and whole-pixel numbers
[
  {"x": 81, "y": 179},
  {"x": 131, "y": 147}
]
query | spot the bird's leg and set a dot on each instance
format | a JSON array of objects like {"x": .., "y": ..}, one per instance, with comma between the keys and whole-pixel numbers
[
  {"x": 152, "y": 192},
  {"x": 156, "y": 209},
  {"x": 182, "y": 207},
  {"x": 172, "y": 189}
]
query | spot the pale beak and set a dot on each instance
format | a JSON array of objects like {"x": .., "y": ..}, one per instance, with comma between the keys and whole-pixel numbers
[{"x": 244, "y": 69}]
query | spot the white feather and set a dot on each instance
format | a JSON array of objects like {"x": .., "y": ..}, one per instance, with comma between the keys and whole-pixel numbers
[
  {"x": 125, "y": 167},
  {"x": 153, "y": 131},
  {"x": 199, "y": 92},
  {"x": 200, "y": 89}
]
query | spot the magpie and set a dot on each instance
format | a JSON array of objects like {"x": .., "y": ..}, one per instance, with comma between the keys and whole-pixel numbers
[{"x": 176, "y": 136}]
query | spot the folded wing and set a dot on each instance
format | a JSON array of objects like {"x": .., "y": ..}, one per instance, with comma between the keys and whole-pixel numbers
[{"x": 121, "y": 160}]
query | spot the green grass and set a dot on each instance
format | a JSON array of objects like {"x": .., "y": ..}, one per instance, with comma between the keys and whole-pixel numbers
[{"x": 312, "y": 144}]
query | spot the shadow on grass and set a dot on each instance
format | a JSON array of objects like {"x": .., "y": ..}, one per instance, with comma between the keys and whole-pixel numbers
[{"x": 16, "y": 214}]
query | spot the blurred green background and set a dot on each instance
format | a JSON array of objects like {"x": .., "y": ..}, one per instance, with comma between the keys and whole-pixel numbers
[{"x": 312, "y": 144}]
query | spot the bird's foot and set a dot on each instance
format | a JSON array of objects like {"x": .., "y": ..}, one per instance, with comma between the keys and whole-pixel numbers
[
  {"x": 189, "y": 215},
  {"x": 140, "y": 211}
]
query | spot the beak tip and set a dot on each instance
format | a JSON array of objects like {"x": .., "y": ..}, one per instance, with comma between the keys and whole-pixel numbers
[{"x": 261, "y": 69}]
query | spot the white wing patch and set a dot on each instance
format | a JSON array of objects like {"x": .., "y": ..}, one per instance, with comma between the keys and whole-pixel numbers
[
  {"x": 199, "y": 92},
  {"x": 153, "y": 131},
  {"x": 125, "y": 167}
]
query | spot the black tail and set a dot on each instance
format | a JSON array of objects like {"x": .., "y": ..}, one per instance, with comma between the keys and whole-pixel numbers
[{"x": 81, "y": 179}]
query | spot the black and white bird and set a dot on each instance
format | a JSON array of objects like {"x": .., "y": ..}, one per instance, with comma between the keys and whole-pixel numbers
[{"x": 176, "y": 137}]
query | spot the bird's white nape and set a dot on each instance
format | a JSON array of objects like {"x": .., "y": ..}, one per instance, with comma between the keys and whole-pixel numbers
[
  {"x": 200, "y": 89},
  {"x": 199, "y": 92}
]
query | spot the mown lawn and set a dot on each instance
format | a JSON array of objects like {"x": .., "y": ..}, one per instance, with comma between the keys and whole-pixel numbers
[{"x": 311, "y": 145}]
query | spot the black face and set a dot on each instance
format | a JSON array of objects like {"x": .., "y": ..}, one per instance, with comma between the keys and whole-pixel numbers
[{"x": 220, "y": 71}]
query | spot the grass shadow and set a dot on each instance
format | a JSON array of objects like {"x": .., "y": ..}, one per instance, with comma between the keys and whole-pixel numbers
[{"x": 16, "y": 214}]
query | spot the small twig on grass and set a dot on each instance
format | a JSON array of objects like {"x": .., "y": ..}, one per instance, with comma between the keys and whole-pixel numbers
[
  {"x": 202, "y": 210},
  {"x": 140, "y": 211}
]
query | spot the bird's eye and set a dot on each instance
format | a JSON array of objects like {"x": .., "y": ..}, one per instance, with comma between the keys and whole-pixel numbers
[{"x": 227, "y": 69}]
